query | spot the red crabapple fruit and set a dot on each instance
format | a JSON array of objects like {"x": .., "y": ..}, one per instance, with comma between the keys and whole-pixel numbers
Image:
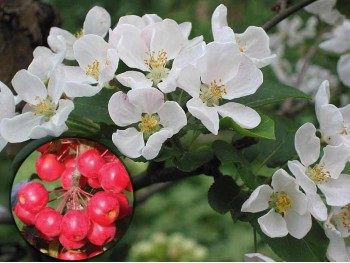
[
  {"x": 48, "y": 222},
  {"x": 103, "y": 208},
  {"x": 69, "y": 244},
  {"x": 113, "y": 177},
  {"x": 24, "y": 215},
  {"x": 90, "y": 162},
  {"x": 33, "y": 196},
  {"x": 75, "y": 225},
  {"x": 101, "y": 235},
  {"x": 72, "y": 255},
  {"x": 48, "y": 167}
]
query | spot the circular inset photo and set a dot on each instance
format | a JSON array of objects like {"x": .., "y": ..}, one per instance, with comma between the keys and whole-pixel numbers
[{"x": 72, "y": 199}]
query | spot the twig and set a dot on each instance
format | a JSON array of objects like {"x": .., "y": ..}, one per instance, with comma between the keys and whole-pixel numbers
[
  {"x": 151, "y": 191},
  {"x": 285, "y": 13}
]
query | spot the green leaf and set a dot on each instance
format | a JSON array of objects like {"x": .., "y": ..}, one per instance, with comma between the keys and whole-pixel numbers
[
  {"x": 222, "y": 194},
  {"x": 190, "y": 161},
  {"x": 95, "y": 108},
  {"x": 266, "y": 128},
  {"x": 270, "y": 93},
  {"x": 312, "y": 247}
]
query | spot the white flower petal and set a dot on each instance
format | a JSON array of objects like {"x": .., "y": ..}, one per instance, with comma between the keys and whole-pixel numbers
[
  {"x": 29, "y": 87},
  {"x": 7, "y": 102},
  {"x": 307, "y": 144},
  {"x": 57, "y": 45},
  {"x": 273, "y": 224},
  {"x": 334, "y": 159},
  {"x": 299, "y": 171},
  {"x": 47, "y": 129},
  {"x": 111, "y": 66},
  {"x": 336, "y": 250},
  {"x": 134, "y": 80},
  {"x": 18, "y": 128},
  {"x": 186, "y": 29},
  {"x": 281, "y": 179},
  {"x": 3, "y": 143},
  {"x": 337, "y": 191},
  {"x": 129, "y": 142},
  {"x": 189, "y": 81},
  {"x": 298, "y": 225},
  {"x": 247, "y": 80},
  {"x": 97, "y": 21},
  {"x": 345, "y": 111},
  {"x": 220, "y": 62},
  {"x": 56, "y": 84},
  {"x": 343, "y": 68},
  {"x": 335, "y": 45},
  {"x": 244, "y": 116},
  {"x": 65, "y": 107},
  {"x": 257, "y": 257},
  {"x": 330, "y": 120},
  {"x": 146, "y": 100},
  {"x": 258, "y": 200},
  {"x": 172, "y": 116},
  {"x": 207, "y": 115},
  {"x": 132, "y": 20},
  {"x": 323, "y": 94},
  {"x": 75, "y": 90},
  {"x": 121, "y": 111},
  {"x": 316, "y": 207},
  {"x": 221, "y": 32},
  {"x": 298, "y": 198},
  {"x": 154, "y": 143}
]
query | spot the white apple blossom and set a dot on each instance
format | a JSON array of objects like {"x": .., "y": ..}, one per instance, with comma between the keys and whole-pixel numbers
[
  {"x": 325, "y": 10},
  {"x": 254, "y": 42},
  {"x": 97, "y": 22},
  {"x": 7, "y": 108},
  {"x": 156, "y": 121},
  {"x": 325, "y": 174},
  {"x": 98, "y": 63},
  {"x": 44, "y": 114},
  {"x": 257, "y": 257},
  {"x": 221, "y": 73},
  {"x": 287, "y": 206}
]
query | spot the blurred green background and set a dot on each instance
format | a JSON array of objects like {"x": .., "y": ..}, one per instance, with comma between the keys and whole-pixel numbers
[{"x": 182, "y": 208}]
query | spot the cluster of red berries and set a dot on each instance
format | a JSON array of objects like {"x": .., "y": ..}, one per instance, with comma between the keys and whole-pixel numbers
[{"x": 90, "y": 200}]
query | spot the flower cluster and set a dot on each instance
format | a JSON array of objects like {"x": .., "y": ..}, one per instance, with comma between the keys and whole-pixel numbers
[{"x": 162, "y": 60}]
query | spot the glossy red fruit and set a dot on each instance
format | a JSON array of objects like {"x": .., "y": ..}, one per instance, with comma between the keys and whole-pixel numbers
[
  {"x": 43, "y": 148},
  {"x": 66, "y": 178},
  {"x": 101, "y": 235},
  {"x": 48, "y": 167},
  {"x": 124, "y": 208},
  {"x": 103, "y": 208},
  {"x": 33, "y": 196},
  {"x": 94, "y": 182},
  {"x": 70, "y": 161},
  {"x": 90, "y": 162},
  {"x": 28, "y": 218},
  {"x": 75, "y": 225},
  {"x": 48, "y": 221},
  {"x": 72, "y": 255},
  {"x": 113, "y": 177},
  {"x": 69, "y": 244}
]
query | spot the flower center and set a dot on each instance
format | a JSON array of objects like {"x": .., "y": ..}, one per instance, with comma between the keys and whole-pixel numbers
[
  {"x": 157, "y": 65},
  {"x": 211, "y": 95},
  {"x": 79, "y": 34},
  {"x": 343, "y": 217},
  {"x": 149, "y": 124},
  {"x": 281, "y": 202},
  {"x": 45, "y": 107},
  {"x": 317, "y": 174},
  {"x": 345, "y": 130},
  {"x": 93, "y": 69}
]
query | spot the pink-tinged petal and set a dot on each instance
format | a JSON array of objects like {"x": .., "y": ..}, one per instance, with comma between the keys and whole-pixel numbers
[
  {"x": 58, "y": 46},
  {"x": 298, "y": 225},
  {"x": 343, "y": 68},
  {"x": 244, "y": 116},
  {"x": 336, "y": 250},
  {"x": 97, "y": 21},
  {"x": 172, "y": 116},
  {"x": 246, "y": 82},
  {"x": 299, "y": 171},
  {"x": 65, "y": 107},
  {"x": 129, "y": 142},
  {"x": 337, "y": 191},
  {"x": 29, "y": 87},
  {"x": 7, "y": 102},
  {"x": 121, "y": 111},
  {"x": 189, "y": 81},
  {"x": 146, "y": 100},
  {"x": 307, "y": 144},
  {"x": 316, "y": 207},
  {"x": 56, "y": 84},
  {"x": 131, "y": 48},
  {"x": 255, "y": 43},
  {"x": 89, "y": 48},
  {"x": 221, "y": 32},
  {"x": 207, "y": 115},
  {"x": 18, "y": 128},
  {"x": 108, "y": 72},
  {"x": 334, "y": 159},
  {"x": 220, "y": 62},
  {"x": 155, "y": 142},
  {"x": 258, "y": 200},
  {"x": 151, "y": 19},
  {"x": 273, "y": 224},
  {"x": 166, "y": 36},
  {"x": 134, "y": 80}
]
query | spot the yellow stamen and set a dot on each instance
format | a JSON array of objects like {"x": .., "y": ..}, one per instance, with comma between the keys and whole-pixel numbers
[
  {"x": 93, "y": 69},
  {"x": 157, "y": 62},
  {"x": 217, "y": 90},
  {"x": 317, "y": 174},
  {"x": 79, "y": 34},
  {"x": 45, "y": 107},
  {"x": 148, "y": 123},
  {"x": 280, "y": 202}
]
